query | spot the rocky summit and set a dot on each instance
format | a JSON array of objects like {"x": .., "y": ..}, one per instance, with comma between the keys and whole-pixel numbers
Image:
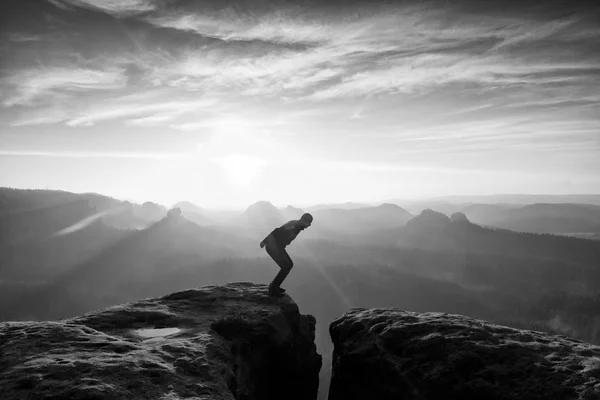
[
  {"x": 391, "y": 354},
  {"x": 215, "y": 342}
]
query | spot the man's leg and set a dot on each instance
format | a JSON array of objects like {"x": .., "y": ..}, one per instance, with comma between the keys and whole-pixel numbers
[
  {"x": 286, "y": 267},
  {"x": 280, "y": 256}
]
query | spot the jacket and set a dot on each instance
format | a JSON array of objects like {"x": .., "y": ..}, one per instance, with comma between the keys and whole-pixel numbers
[{"x": 286, "y": 233}]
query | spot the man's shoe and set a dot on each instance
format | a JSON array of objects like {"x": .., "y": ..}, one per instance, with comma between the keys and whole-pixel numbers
[{"x": 276, "y": 293}]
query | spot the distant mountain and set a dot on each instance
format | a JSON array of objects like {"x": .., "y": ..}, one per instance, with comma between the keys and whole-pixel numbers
[
  {"x": 552, "y": 218},
  {"x": 14, "y": 201},
  {"x": 206, "y": 216},
  {"x": 525, "y": 198},
  {"x": 337, "y": 206},
  {"x": 18, "y": 203},
  {"x": 486, "y": 214},
  {"x": 150, "y": 211},
  {"x": 538, "y": 218},
  {"x": 432, "y": 230},
  {"x": 418, "y": 206},
  {"x": 137, "y": 262},
  {"x": 452, "y": 204},
  {"x": 194, "y": 213},
  {"x": 290, "y": 212},
  {"x": 361, "y": 220},
  {"x": 260, "y": 217},
  {"x": 37, "y": 223},
  {"x": 187, "y": 206}
]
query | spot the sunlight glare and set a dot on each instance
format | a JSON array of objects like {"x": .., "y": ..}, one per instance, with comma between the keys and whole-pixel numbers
[{"x": 241, "y": 169}]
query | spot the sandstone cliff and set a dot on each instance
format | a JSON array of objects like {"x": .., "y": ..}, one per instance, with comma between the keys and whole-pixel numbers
[
  {"x": 392, "y": 354},
  {"x": 215, "y": 342}
]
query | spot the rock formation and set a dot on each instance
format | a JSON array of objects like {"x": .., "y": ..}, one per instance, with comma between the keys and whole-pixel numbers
[
  {"x": 391, "y": 354},
  {"x": 429, "y": 219},
  {"x": 174, "y": 213},
  {"x": 222, "y": 342},
  {"x": 459, "y": 217}
]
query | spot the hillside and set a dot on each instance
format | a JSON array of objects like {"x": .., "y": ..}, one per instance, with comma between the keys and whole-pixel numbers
[
  {"x": 362, "y": 220},
  {"x": 133, "y": 266},
  {"x": 435, "y": 231},
  {"x": 552, "y": 218}
]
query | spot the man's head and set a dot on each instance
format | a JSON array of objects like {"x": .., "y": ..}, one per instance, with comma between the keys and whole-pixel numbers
[{"x": 306, "y": 220}]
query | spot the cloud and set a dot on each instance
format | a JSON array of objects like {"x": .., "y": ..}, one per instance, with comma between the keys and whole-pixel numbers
[
  {"x": 89, "y": 154},
  {"x": 38, "y": 85},
  {"x": 229, "y": 25},
  {"x": 499, "y": 135},
  {"x": 472, "y": 109},
  {"x": 40, "y": 118},
  {"x": 298, "y": 54},
  {"x": 114, "y": 7},
  {"x": 21, "y": 37},
  {"x": 402, "y": 49},
  {"x": 152, "y": 120},
  {"x": 387, "y": 168},
  {"x": 155, "y": 110},
  {"x": 430, "y": 71}
]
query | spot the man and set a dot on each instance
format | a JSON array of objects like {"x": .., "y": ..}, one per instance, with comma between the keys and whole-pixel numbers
[{"x": 275, "y": 244}]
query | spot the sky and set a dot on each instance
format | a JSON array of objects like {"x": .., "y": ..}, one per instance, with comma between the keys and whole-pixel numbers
[{"x": 224, "y": 103}]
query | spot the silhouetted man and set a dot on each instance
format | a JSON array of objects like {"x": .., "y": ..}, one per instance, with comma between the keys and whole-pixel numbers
[{"x": 275, "y": 244}]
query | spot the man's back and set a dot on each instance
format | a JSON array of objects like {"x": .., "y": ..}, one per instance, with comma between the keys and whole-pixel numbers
[{"x": 287, "y": 232}]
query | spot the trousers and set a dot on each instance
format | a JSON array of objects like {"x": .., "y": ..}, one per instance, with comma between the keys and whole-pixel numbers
[{"x": 281, "y": 258}]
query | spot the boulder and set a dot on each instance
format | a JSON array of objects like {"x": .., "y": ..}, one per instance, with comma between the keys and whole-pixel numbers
[
  {"x": 387, "y": 353},
  {"x": 215, "y": 342}
]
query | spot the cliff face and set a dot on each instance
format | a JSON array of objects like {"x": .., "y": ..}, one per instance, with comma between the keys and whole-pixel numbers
[
  {"x": 222, "y": 342},
  {"x": 391, "y": 354}
]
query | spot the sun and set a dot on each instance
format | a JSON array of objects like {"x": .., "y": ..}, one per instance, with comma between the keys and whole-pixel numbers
[
  {"x": 238, "y": 149},
  {"x": 242, "y": 169}
]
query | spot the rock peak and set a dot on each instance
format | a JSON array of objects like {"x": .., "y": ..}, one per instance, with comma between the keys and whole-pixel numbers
[
  {"x": 216, "y": 342},
  {"x": 386, "y": 354},
  {"x": 459, "y": 217},
  {"x": 429, "y": 219}
]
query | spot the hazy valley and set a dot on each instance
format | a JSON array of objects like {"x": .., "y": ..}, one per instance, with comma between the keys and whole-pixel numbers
[{"x": 65, "y": 254}]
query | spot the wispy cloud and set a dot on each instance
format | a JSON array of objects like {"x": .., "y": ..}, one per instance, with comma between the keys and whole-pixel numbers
[
  {"x": 499, "y": 136},
  {"x": 152, "y": 120},
  {"x": 471, "y": 109},
  {"x": 91, "y": 154},
  {"x": 20, "y": 37},
  {"x": 390, "y": 168},
  {"x": 428, "y": 72},
  {"x": 114, "y": 7},
  {"x": 229, "y": 25},
  {"x": 404, "y": 49},
  {"x": 321, "y": 57},
  {"x": 152, "y": 111},
  {"x": 39, "y": 85}
]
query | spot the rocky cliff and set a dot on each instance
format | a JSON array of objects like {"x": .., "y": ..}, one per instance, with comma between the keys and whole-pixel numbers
[
  {"x": 392, "y": 354},
  {"x": 215, "y": 342}
]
